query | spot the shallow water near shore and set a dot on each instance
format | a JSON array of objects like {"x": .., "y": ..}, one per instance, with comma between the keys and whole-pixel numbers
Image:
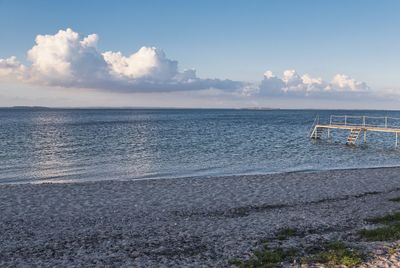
[{"x": 64, "y": 145}]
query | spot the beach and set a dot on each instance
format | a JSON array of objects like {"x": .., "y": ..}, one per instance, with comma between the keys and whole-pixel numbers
[{"x": 185, "y": 222}]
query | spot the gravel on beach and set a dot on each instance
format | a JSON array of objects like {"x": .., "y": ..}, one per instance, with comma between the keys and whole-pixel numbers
[{"x": 184, "y": 222}]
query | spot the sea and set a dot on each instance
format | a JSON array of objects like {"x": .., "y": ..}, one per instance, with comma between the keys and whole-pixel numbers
[{"x": 43, "y": 145}]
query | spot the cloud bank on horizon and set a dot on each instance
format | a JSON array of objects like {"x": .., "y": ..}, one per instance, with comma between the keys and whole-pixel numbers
[
  {"x": 67, "y": 60},
  {"x": 291, "y": 84}
]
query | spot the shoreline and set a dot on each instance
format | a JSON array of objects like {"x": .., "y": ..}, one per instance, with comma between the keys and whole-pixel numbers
[
  {"x": 198, "y": 176},
  {"x": 185, "y": 221}
]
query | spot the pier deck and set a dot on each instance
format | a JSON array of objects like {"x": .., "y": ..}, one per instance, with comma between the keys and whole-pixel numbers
[{"x": 363, "y": 128}]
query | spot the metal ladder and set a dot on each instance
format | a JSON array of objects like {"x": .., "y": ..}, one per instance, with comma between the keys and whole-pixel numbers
[
  {"x": 314, "y": 132},
  {"x": 353, "y": 136},
  {"x": 317, "y": 133}
]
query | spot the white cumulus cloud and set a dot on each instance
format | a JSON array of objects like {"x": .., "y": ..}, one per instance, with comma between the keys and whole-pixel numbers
[
  {"x": 11, "y": 68},
  {"x": 66, "y": 59},
  {"x": 292, "y": 84},
  {"x": 342, "y": 82},
  {"x": 147, "y": 63}
]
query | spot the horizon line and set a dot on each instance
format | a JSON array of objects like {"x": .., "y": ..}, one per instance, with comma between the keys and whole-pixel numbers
[{"x": 185, "y": 108}]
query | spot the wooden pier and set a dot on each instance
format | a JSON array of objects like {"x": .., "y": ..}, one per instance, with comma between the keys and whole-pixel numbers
[{"x": 356, "y": 125}]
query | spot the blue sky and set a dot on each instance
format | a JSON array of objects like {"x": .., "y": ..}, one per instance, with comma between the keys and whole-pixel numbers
[{"x": 236, "y": 40}]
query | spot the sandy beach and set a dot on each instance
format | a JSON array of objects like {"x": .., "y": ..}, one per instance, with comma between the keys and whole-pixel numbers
[{"x": 186, "y": 222}]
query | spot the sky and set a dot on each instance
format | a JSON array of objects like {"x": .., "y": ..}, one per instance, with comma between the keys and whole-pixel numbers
[{"x": 219, "y": 54}]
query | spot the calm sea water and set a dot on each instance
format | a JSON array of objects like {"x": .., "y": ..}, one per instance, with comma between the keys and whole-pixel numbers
[{"x": 59, "y": 145}]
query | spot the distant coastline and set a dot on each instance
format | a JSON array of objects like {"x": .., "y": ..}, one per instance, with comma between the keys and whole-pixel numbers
[
  {"x": 22, "y": 107},
  {"x": 138, "y": 108}
]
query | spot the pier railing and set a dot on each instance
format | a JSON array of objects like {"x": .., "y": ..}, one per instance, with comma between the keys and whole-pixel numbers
[{"x": 365, "y": 121}]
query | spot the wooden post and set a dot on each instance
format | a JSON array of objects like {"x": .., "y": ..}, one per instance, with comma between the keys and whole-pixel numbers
[
  {"x": 386, "y": 122},
  {"x": 365, "y": 135},
  {"x": 345, "y": 120}
]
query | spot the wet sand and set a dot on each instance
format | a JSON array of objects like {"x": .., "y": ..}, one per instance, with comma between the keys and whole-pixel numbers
[{"x": 185, "y": 222}]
